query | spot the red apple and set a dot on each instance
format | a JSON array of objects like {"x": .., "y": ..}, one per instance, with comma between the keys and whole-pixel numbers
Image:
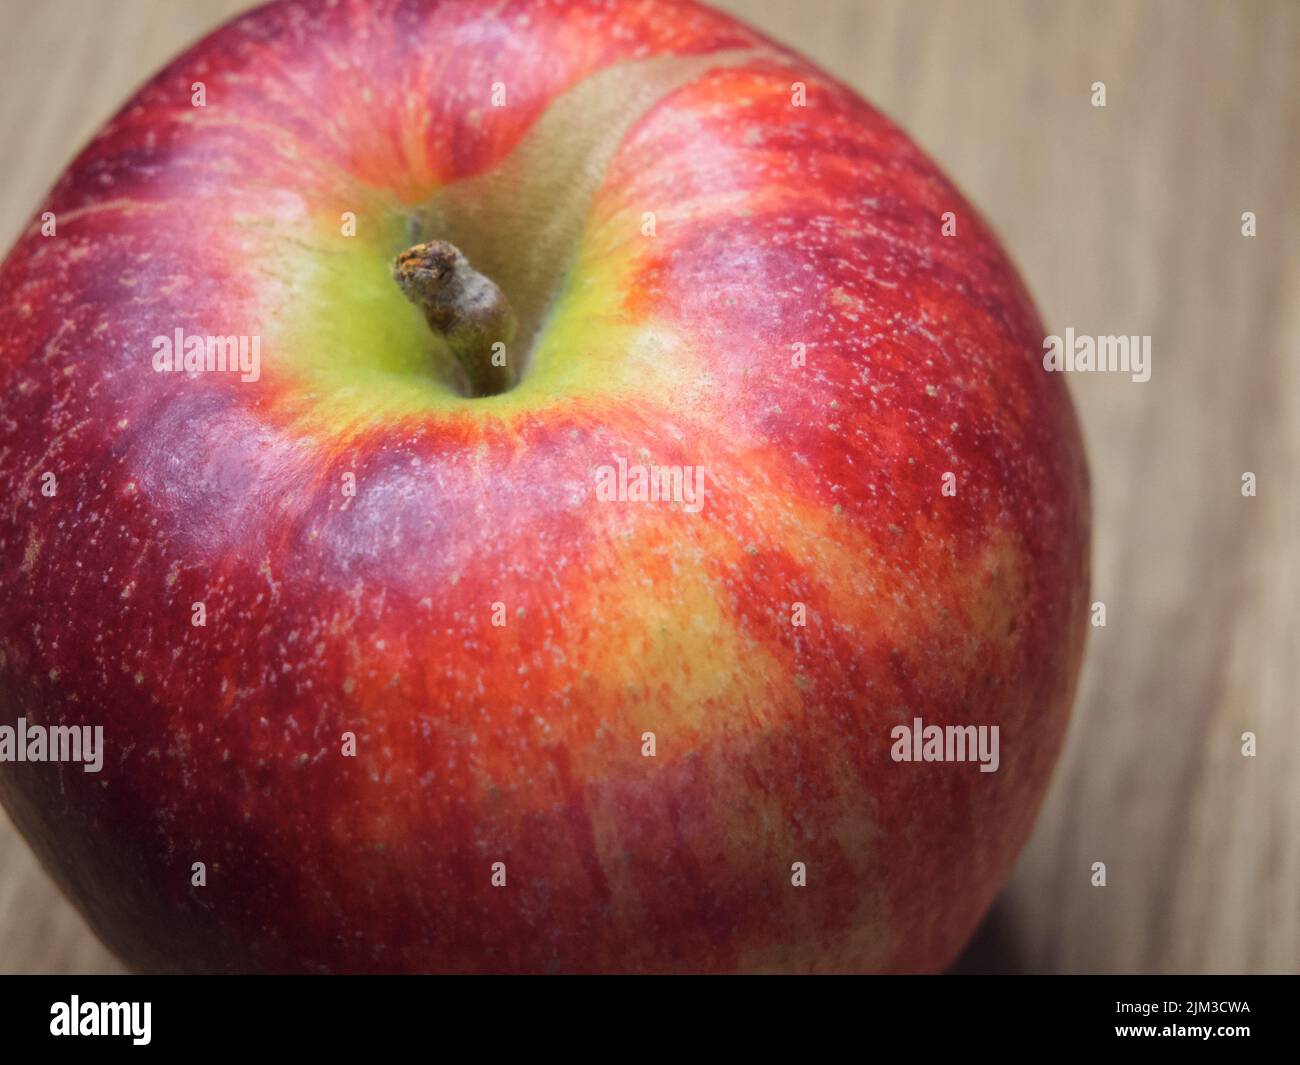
[{"x": 430, "y": 647}]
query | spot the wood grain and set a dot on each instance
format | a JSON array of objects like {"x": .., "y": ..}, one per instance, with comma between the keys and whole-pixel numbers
[{"x": 1125, "y": 220}]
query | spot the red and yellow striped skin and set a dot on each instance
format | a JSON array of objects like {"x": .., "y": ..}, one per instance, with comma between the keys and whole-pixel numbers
[{"x": 775, "y": 226}]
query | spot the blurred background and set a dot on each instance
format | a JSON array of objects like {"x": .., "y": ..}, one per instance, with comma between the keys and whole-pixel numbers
[{"x": 1124, "y": 219}]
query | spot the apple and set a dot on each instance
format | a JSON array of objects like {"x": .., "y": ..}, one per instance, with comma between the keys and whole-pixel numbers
[{"x": 506, "y": 478}]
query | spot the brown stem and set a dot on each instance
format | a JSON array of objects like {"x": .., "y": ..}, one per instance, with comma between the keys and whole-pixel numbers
[{"x": 464, "y": 307}]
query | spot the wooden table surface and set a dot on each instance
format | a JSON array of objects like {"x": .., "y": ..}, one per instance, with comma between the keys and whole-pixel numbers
[{"x": 1125, "y": 220}]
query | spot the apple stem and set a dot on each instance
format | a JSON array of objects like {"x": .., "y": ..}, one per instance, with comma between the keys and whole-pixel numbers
[{"x": 463, "y": 307}]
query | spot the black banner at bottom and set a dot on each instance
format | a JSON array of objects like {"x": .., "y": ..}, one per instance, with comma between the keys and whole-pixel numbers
[{"x": 151, "y": 1014}]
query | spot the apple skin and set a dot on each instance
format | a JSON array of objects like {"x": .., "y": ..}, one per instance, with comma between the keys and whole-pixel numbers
[{"x": 774, "y": 226}]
